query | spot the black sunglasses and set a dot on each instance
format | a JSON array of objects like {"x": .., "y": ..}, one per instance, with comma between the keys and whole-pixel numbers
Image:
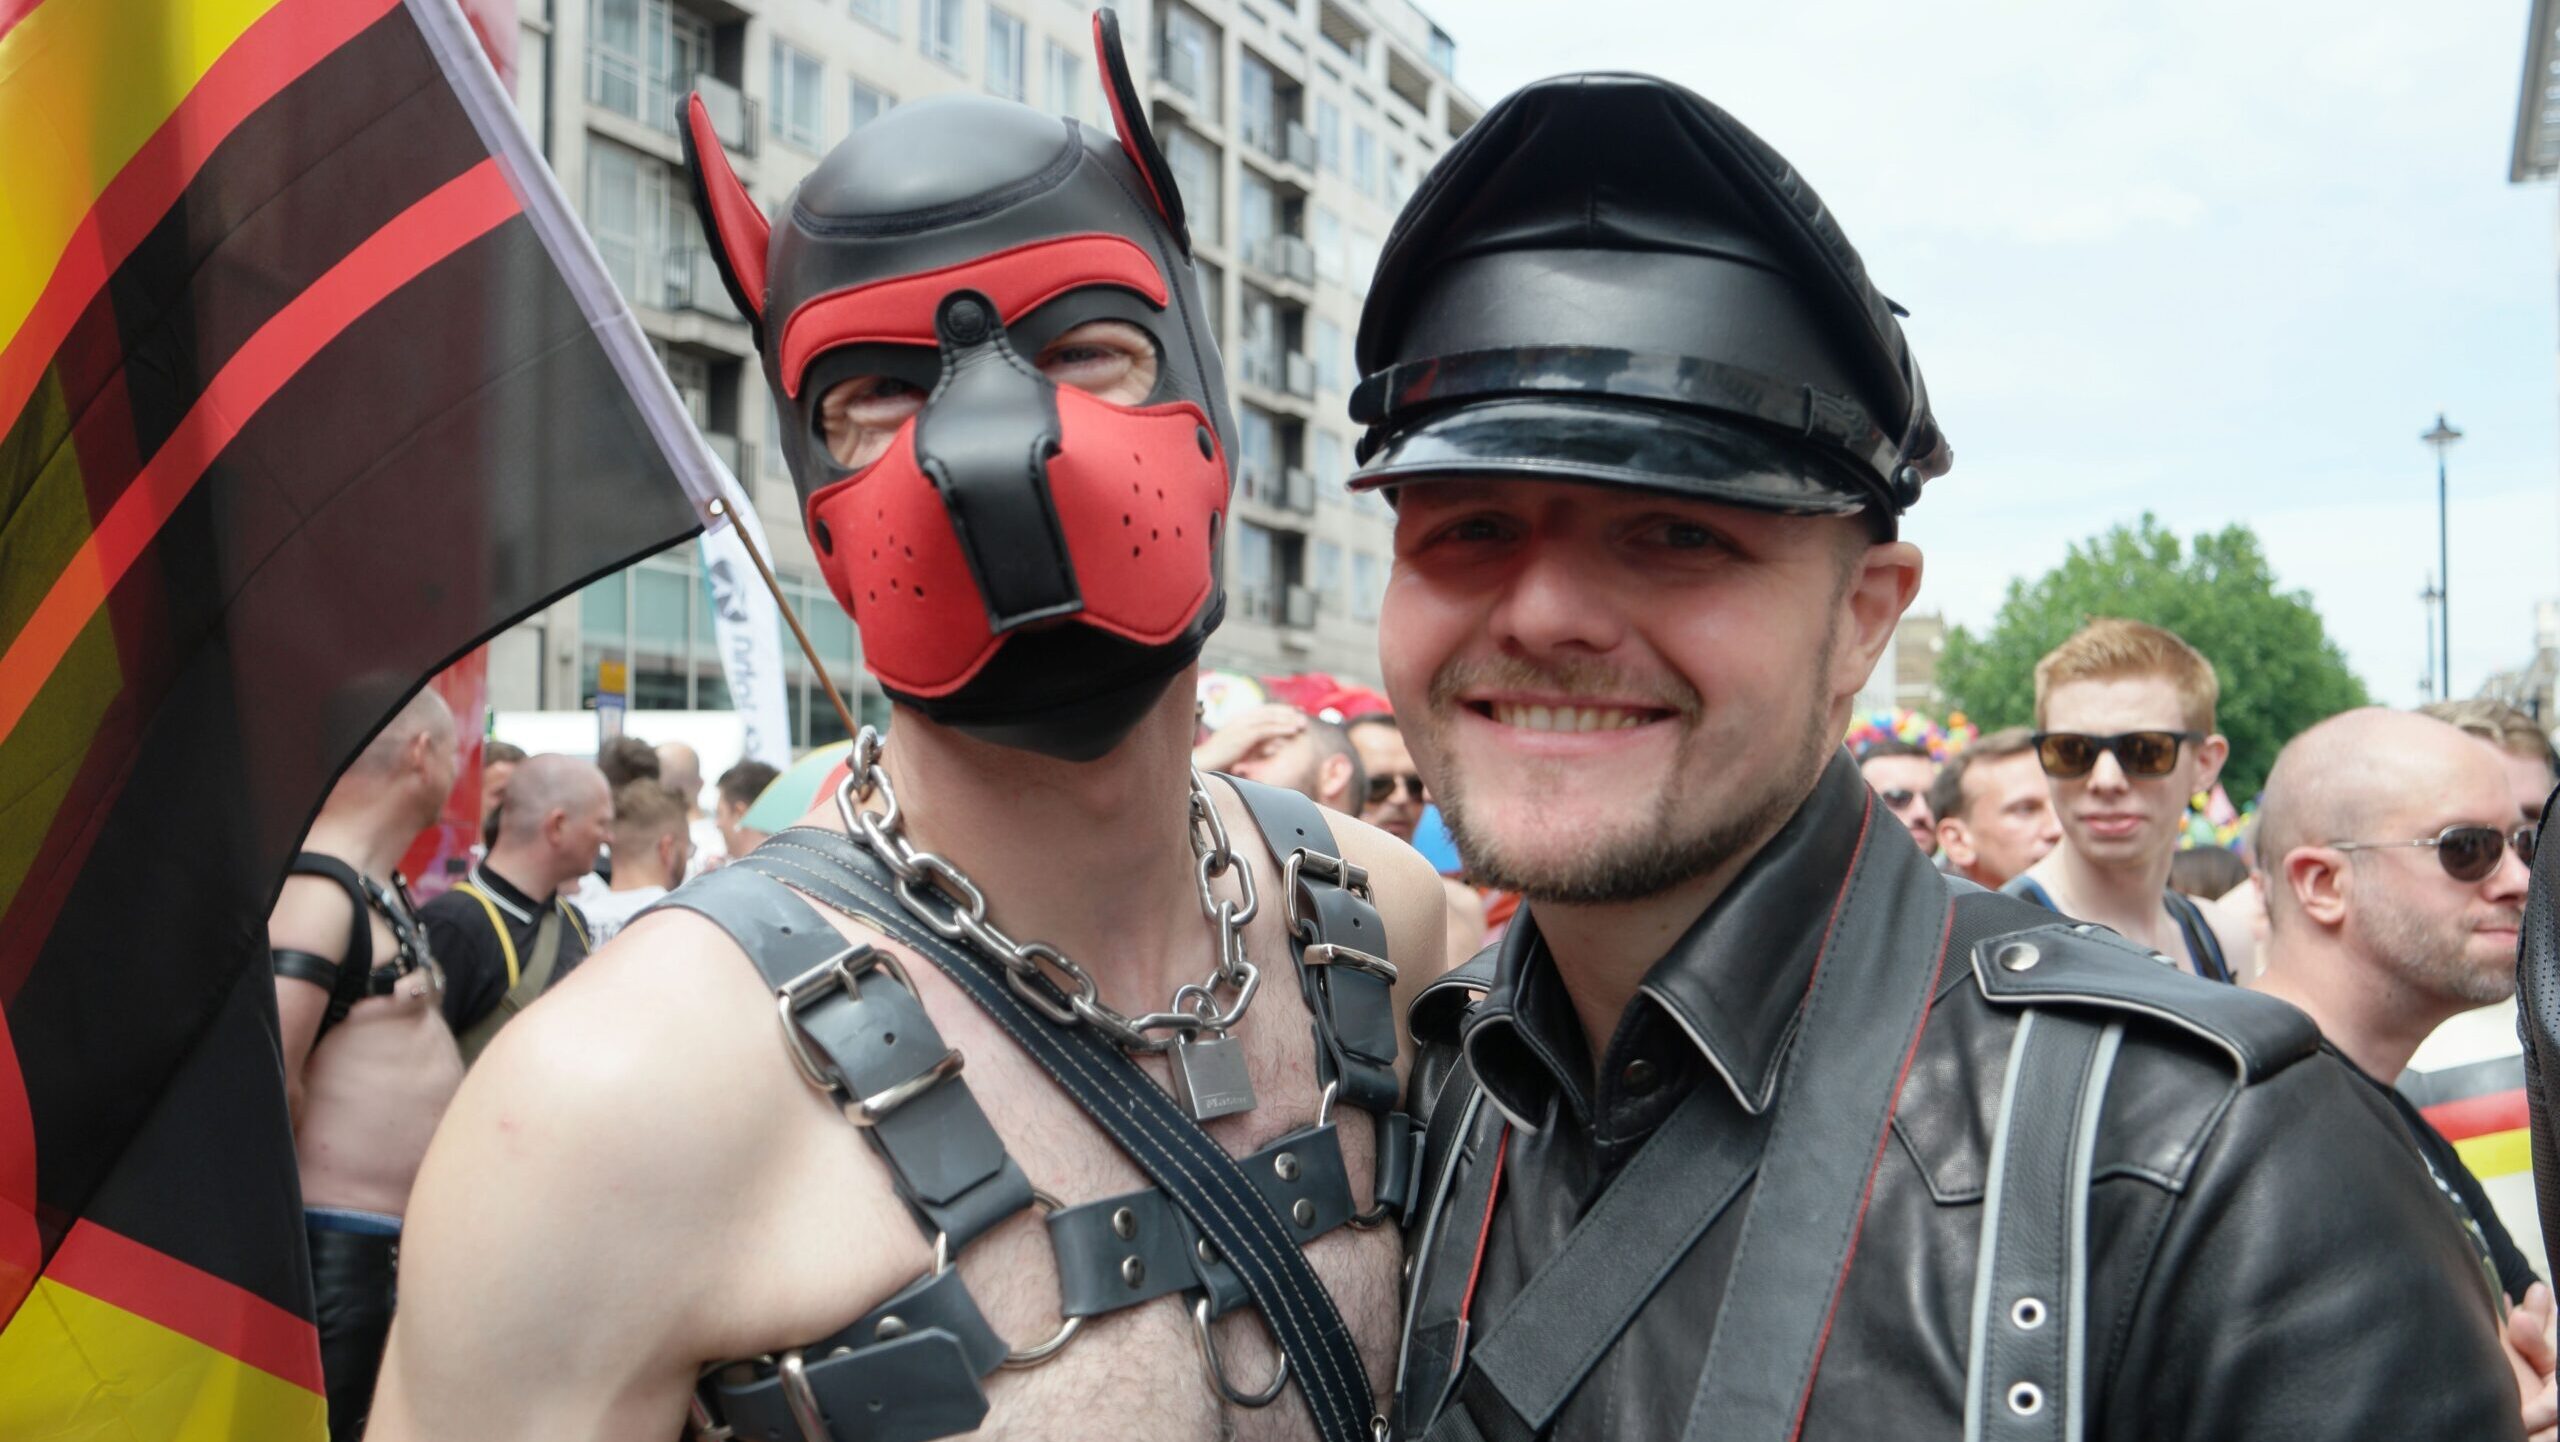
[
  {"x": 2070, "y": 755},
  {"x": 2466, "y": 853},
  {"x": 1383, "y": 786}
]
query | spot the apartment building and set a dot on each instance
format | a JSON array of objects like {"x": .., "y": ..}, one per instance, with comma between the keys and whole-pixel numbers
[{"x": 1296, "y": 134}]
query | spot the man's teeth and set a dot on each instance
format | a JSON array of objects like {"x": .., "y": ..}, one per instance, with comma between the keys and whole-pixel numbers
[{"x": 1566, "y": 718}]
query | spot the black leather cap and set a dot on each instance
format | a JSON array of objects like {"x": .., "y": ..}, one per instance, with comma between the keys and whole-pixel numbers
[{"x": 1610, "y": 280}]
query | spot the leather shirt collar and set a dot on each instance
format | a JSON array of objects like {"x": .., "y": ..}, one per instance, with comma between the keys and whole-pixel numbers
[{"x": 1733, "y": 984}]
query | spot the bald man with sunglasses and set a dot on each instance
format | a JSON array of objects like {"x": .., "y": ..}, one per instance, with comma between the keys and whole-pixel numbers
[
  {"x": 2124, "y": 733},
  {"x": 2395, "y": 861}
]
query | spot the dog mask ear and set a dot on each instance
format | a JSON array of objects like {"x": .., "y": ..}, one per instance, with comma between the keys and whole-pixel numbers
[
  {"x": 738, "y": 230},
  {"x": 1129, "y": 116}
]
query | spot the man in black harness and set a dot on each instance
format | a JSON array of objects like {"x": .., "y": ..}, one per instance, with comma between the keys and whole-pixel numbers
[
  {"x": 369, "y": 1063},
  {"x": 1019, "y": 1089},
  {"x": 1756, "y": 1127}
]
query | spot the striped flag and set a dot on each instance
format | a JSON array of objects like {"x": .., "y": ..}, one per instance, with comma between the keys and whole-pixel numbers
[{"x": 309, "y": 381}]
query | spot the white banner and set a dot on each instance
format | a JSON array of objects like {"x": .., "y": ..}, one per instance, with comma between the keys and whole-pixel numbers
[{"x": 748, "y": 627}]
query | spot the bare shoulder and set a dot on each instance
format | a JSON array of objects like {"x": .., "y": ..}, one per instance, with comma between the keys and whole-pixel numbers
[
  {"x": 569, "y": 1227},
  {"x": 312, "y": 914}
]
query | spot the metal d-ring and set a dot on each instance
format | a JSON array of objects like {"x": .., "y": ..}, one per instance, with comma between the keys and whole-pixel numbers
[
  {"x": 1377, "y": 1214},
  {"x": 1218, "y": 1371},
  {"x": 1028, "y": 1357}
]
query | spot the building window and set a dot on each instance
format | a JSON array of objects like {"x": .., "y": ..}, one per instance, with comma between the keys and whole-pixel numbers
[
  {"x": 1333, "y": 470},
  {"x": 938, "y": 31},
  {"x": 799, "y": 91},
  {"x": 1189, "y": 57},
  {"x": 881, "y": 13},
  {"x": 1062, "y": 79},
  {"x": 1266, "y": 566},
  {"x": 1258, "y": 472},
  {"x": 1258, "y": 118},
  {"x": 1364, "y": 159},
  {"x": 1399, "y": 181},
  {"x": 1194, "y": 163},
  {"x": 1363, "y": 258},
  {"x": 1328, "y": 135},
  {"x": 1328, "y": 355},
  {"x": 1332, "y": 261},
  {"x": 1257, "y": 220},
  {"x": 869, "y": 104},
  {"x": 642, "y": 57},
  {"x": 1368, "y": 583},
  {"x": 642, "y": 221},
  {"x": 1328, "y": 575},
  {"x": 1008, "y": 63}
]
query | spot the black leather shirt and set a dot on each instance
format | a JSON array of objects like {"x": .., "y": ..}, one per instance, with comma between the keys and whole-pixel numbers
[{"x": 2268, "y": 1256}]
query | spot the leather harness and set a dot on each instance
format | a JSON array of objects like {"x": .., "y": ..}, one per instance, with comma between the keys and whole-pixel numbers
[
  {"x": 355, "y": 977},
  {"x": 1222, "y": 1230}
]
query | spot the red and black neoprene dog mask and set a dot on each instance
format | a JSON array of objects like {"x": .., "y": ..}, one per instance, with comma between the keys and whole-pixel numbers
[{"x": 1027, "y": 562}]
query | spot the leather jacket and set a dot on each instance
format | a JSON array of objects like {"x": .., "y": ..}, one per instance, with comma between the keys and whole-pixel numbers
[{"x": 2265, "y": 1255}]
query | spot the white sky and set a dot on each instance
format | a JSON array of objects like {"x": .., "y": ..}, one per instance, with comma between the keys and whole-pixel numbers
[{"x": 2224, "y": 261}]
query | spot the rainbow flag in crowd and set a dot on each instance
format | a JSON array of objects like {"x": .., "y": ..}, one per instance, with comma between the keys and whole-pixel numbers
[
  {"x": 308, "y": 382},
  {"x": 2468, "y": 1081}
]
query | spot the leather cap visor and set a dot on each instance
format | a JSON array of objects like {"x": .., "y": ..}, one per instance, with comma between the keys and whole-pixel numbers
[{"x": 1662, "y": 448}]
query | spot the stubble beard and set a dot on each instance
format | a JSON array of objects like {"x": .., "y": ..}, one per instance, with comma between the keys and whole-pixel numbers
[
  {"x": 2435, "y": 960},
  {"x": 1632, "y": 864}
]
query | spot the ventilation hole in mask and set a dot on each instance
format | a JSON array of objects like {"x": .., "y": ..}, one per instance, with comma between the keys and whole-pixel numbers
[
  {"x": 1133, "y": 552},
  {"x": 1127, "y": 519},
  {"x": 1155, "y": 535}
]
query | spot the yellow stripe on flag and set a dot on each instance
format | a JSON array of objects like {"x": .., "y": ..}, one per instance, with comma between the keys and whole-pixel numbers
[
  {"x": 72, "y": 1366},
  {"x": 2497, "y": 1154},
  {"x": 83, "y": 83}
]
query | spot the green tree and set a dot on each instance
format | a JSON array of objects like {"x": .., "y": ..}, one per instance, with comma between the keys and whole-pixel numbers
[{"x": 2279, "y": 670}]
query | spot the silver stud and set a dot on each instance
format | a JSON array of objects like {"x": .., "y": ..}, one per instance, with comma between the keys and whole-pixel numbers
[
  {"x": 1133, "y": 1271},
  {"x": 1286, "y": 1164},
  {"x": 890, "y": 1329},
  {"x": 2028, "y": 1314},
  {"x": 2026, "y": 1399},
  {"x": 1124, "y": 1224},
  {"x": 1208, "y": 1254},
  {"x": 2018, "y": 955},
  {"x": 1303, "y": 1212},
  {"x": 2164, "y": 958}
]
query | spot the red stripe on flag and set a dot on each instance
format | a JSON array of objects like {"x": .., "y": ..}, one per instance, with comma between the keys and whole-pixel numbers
[
  {"x": 456, "y": 213},
  {"x": 157, "y": 1287},
  {"x": 13, "y": 11},
  {"x": 276, "y": 49},
  {"x": 2478, "y": 1116}
]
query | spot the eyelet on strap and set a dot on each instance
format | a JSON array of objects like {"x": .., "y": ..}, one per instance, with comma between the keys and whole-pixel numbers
[
  {"x": 1028, "y": 1357},
  {"x": 1218, "y": 1371}
]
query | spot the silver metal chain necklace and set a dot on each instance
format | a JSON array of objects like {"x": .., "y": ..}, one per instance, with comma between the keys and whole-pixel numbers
[{"x": 1210, "y": 1078}]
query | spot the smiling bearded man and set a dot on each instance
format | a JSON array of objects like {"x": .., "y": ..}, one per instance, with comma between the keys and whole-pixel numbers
[{"x": 1756, "y": 1126}]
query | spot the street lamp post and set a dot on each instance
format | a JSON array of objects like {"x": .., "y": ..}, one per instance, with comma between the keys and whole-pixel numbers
[
  {"x": 2427, "y": 599},
  {"x": 2442, "y": 438}
]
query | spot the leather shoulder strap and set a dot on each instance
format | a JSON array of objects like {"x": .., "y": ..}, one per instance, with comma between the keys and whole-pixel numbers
[
  {"x": 1862, "y": 1022},
  {"x": 1687, "y": 1173},
  {"x": 2201, "y": 941},
  {"x": 355, "y": 969},
  {"x": 2026, "y": 1363},
  {"x": 1339, "y": 943},
  {"x": 2089, "y": 968}
]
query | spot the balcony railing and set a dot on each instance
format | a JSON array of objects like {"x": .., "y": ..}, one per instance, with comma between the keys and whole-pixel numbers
[{"x": 617, "y": 84}]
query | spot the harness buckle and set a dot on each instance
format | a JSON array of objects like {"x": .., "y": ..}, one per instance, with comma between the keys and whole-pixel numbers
[
  {"x": 877, "y": 1106},
  {"x": 1305, "y": 863},
  {"x": 1326, "y": 953},
  {"x": 843, "y": 970}
]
